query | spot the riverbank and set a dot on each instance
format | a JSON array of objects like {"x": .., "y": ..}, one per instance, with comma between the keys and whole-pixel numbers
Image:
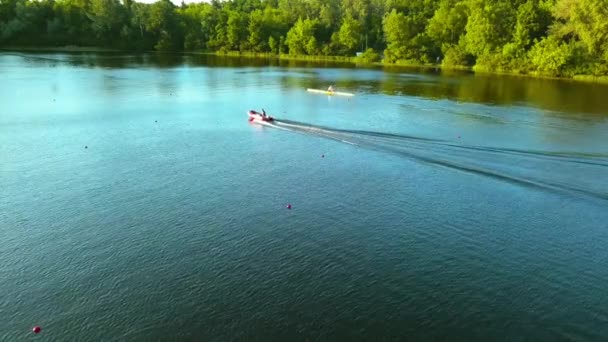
[
  {"x": 357, "y": 62},
  {"x": 283, "y": 56},
  {"x": 354, "y": 61}
]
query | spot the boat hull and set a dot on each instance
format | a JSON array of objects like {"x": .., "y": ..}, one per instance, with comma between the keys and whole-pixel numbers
[
  {"x": 258, "y": 117},
  {"x": 331, "y": 93}
]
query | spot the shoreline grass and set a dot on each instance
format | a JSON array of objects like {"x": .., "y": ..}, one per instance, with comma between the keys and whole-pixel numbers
[
  {"x": 354, "y": 61},
  {"x": 284, "y": 56}
]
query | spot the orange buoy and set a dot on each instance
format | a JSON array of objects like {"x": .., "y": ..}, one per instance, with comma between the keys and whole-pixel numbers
[{"x": 36, "y": 329}]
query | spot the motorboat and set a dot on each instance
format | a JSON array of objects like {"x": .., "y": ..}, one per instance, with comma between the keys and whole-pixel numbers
[{"x": 255, "y": 116}]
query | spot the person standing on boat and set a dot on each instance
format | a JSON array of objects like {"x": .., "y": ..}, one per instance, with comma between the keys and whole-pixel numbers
[
  {"x": 331, "y": 88},
  {"x": 263, "y": 112}
]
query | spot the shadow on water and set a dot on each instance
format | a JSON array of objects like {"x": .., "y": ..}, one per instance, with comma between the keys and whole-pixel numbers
[
  {"x": 559, "y": 171},
  {"x": 549, "y": 94},
  {"x": 108, "y": 59}
]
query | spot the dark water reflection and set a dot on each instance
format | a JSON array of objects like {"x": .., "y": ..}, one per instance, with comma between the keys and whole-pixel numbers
[
  {"x": 584, "y": 100},
  {"x": 555, "y": 95}
]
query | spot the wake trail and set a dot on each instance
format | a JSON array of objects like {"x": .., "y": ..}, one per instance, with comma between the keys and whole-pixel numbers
[
  {"x": 285, "y": 125},
  {"x": 573, "y": 173}
]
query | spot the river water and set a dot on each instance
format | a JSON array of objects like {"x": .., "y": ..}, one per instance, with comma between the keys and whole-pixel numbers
[{"x": 137, "y": 202}]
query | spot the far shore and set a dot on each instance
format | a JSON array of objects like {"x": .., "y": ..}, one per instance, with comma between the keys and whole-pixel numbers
[{"x": 311, "y": 58}]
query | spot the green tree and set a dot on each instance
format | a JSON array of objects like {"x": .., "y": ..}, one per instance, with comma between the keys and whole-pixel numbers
[
  {"x": 236, "y": 31},
  {"x": 257, "y": 34},
  {"x": 489, "y": 26},
  {"x": 162, "y": 22},
  {"x": 273, "y": 44},
  {"x": 400, "y": 31},
  {"x": 192, "y": 21},
  {"x": 368, "y": 57},
  {"x": 532, "y": 24},
  {"x": 550, "y": 57},
  {"x": 552, "y": 37},
  {"x": 27, "y": 22},
  {"x": 107, "y": 19},
  {"x": 350, "y": 34},
  {"x": 448, "y": 23},
  {"x": 585, "y": 20},
  {"x": 405, "y": 31},
  {"x": 301, "y": 38}
]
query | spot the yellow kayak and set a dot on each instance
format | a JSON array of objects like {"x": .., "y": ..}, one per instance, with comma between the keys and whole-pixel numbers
[{"x": 327, "y": 92}]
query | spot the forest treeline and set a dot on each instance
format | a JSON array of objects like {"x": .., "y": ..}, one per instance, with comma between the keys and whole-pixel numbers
[{"x": 542, "y": 37}]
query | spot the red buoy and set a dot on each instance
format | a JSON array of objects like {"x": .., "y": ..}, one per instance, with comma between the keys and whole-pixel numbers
[
  {"x": 289, "y": 206},
  {"x": 36, "y": 329}
]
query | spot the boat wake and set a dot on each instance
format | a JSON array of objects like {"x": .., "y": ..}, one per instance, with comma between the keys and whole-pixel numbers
[
  {"x": 315, "y": 130},
  {"x": 574, "y": 173}
]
